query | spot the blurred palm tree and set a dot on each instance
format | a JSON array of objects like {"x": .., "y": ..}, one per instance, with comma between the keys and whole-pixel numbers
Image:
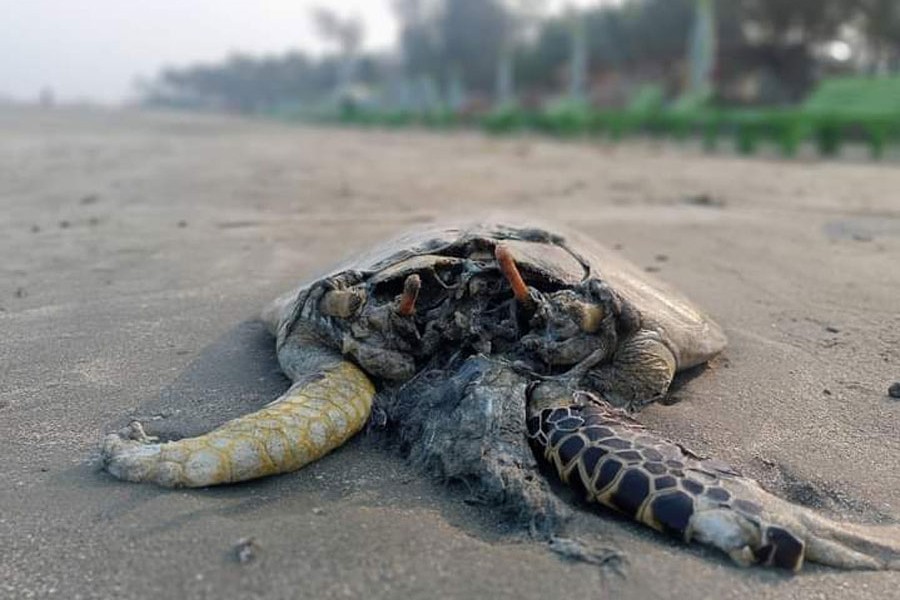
[
  {"x": 702, "y": 54},
  {"x": 881, "y": 25},
  {"x": 522, "y": 19},
  {"x": 347, "y": 35}
]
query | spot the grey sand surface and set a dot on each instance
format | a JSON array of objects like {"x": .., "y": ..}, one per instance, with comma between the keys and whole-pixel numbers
[{"x": 137, "y": 249}]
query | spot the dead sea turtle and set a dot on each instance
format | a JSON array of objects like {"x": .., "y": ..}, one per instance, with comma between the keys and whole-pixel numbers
[{"x": 485, "y": 349}]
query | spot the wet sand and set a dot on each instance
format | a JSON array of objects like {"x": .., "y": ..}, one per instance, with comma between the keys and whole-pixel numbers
[{"x": 137, "y": 249}]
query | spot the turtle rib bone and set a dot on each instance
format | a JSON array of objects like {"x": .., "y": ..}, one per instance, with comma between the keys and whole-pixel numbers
[
  {"x": 508, "y": 267},
  {"x": 407, "y": 304}
]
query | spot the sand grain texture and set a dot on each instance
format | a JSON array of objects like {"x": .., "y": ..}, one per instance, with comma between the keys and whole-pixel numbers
[{"x": 136, "y": 248}]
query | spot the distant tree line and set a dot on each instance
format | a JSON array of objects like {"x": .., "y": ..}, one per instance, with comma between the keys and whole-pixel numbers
[
  {"x": 244, "y": 83},
  {"x": 471, "y": 45}
]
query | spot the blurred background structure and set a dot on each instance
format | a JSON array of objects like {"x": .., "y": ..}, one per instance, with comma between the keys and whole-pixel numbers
[
  {"x": 786, "y": 70},
  {"x": 769, "y": 52}
]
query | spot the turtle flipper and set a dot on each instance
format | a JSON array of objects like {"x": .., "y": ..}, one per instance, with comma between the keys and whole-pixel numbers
[
  {"x": 639, "y": 373},
  {"x": 612, "y": 460},
  {"x": 827, "y": 542},
  {"x": 315, "y": 416}
]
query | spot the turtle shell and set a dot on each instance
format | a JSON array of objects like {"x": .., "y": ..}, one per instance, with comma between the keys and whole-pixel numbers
[
  {"x": 542, "y": 255},
  {"x": 537, "y": 251}
]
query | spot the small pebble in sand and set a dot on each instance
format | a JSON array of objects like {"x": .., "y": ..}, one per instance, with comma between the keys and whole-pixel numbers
[
  {"x": 661, "y": 258},
  {"x": 182, "y": 224},
  {"x": 245, "y": 550},
  {"x": 318, "y": 511},
  {"x": 591, "y": 553},
  {"x": 64, "y": 224},
  {"x": 831, "y": 329},
  {"x": 704, "y": 200},
  {"x": 894, "y": 390},
  {"x": 35, "y": 229},
  {"x": 651, "y": 269}
]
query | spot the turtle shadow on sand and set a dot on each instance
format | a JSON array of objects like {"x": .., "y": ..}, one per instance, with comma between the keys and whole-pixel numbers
[{"x": 235, "y": 375}]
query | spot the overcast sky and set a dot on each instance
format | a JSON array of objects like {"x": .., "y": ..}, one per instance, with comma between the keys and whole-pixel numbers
[{"x": 94, "y": 49}]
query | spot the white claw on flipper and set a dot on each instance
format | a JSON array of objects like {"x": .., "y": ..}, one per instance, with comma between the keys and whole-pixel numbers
[{"x": 129, "y": 459}]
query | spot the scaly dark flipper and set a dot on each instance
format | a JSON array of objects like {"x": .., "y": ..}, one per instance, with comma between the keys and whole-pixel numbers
[{"x": 611, "y": 459}]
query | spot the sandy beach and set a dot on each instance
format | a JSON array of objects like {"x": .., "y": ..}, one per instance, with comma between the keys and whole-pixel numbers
[{"x": 138, "y": 249}]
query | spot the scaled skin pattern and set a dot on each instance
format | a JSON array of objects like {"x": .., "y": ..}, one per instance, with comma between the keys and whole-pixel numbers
[
  {"x": 304, "y": 424},
  {"x": 495, "y": 347}
]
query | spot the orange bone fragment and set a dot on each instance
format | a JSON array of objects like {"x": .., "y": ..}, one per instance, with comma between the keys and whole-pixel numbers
[
  {"x": 511, "y": 272},
  {"x": 411, "y": 288}
]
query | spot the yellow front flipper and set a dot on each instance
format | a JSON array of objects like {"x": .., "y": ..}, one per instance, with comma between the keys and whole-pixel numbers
[{"x": 310, "y": 420}]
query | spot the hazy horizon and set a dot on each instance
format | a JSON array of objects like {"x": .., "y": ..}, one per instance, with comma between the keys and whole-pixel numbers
[{"x": 94, "y": 50}]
